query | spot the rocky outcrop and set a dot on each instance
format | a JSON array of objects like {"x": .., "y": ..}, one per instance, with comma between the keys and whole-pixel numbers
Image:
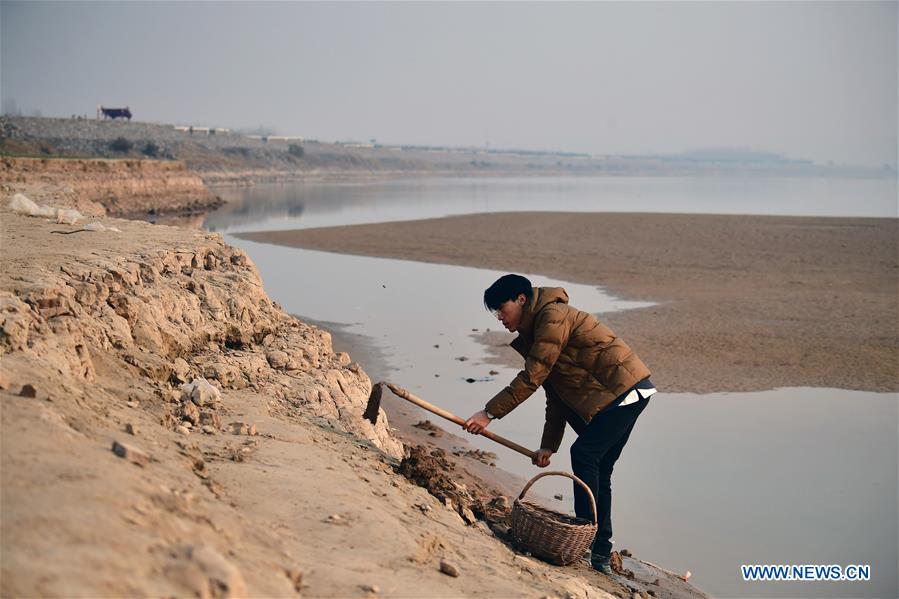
[
  {"x": 180, "y": 306},
  {"x": 109, "y": 187}
]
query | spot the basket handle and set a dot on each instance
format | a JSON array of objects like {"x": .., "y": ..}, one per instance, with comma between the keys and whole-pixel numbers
[{"x": 572, "y": 477}]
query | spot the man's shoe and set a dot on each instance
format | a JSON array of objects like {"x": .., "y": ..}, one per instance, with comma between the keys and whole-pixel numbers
[{"x": 601, "y": 564}]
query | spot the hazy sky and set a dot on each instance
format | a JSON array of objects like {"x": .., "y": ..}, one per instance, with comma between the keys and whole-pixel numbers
[{"x": 812, "y": 80}]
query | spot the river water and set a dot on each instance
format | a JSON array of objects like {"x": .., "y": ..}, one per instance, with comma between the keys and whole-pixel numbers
[{"x": 706, "y": 482}]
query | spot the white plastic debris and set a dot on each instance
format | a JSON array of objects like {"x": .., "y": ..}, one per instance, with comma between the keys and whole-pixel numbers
[
  {"x": 22, "y": 204},
  {"x": 201, "y": 392}
]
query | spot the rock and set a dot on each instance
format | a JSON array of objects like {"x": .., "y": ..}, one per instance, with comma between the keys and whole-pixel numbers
[
  {"x": 242, "y": 428},
  {"x": 295, "y": 576},
  {"x": 618, "y": 566},
  {"x": 4, "y": 381},
  {"x": 626, "y": 553},
  {"x": 278, "y": 359},
  {"x": 467, "y": 515},
  {"x": 131, "y": 453},
  {"x": 227, "y": 375},
  {"x": 131, "y": 429},
  {"x": 223, "y": 578},
  {"x": 558, "y": 496},
  {"x": 483, "y": 527},
  {"x": 180, "y": 370},
  {"x": 190, "y": 412},
  {"x": 371, "y": 588},
  {"x": 343, "y": 358},
  {"x": 208, "y": 430},
  {"x": 615, "y": 561},
  {"x": 501, "y": 502},
  {"x": 210, "y": 418},
  {"x": 651, "y": 593},
  {"x": 201, "y": 392},
  {"x": 494, "y": 372},
  {"x": 182, "y": 430},
  {"x": 187, "y": 424},
  {"x": 449, "y": 568},
  {"x": 28, "y": 390}
]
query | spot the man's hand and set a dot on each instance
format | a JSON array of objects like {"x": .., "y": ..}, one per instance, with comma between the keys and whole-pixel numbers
[
  {"x": 477, "y": 423},
  {"x": 541, "y": 458}
]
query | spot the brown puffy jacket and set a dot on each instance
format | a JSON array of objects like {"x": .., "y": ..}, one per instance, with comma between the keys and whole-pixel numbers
[{"x": 579, "y": 361}]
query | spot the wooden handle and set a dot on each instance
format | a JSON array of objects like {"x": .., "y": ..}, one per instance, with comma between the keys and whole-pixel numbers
[{"x": 400, "y": 392}]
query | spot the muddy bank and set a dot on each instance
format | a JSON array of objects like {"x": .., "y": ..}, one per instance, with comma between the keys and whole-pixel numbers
[
  {"x": 744, "y": 302},
  {"x": 262, "y": 481},
  {"x": 123, "y": 188},
  {"x": 417, "y": 427}
]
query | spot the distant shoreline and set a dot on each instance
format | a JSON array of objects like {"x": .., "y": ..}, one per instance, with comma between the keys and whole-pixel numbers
[
  {"x": 743, "y": 302},
  {"x": 223, "y": 155}
]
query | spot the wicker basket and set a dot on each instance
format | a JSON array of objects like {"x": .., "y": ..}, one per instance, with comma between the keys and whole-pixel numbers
[{"x": 550, "y": 535}]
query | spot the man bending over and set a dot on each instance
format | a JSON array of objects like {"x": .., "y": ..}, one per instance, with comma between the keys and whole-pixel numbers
[{"x": 593, "y": 381}]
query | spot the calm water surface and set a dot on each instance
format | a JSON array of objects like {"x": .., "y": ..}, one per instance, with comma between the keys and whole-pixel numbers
[
  {"x": 292, "y": 206},
  {"x": 707, "y": 482}
]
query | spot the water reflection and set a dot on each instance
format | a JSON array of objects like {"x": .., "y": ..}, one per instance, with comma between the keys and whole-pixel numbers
[{"x": 306, "y": 205}]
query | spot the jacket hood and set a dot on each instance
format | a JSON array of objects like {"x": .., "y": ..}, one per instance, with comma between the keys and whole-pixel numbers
[{"x": 541, "y": 297}]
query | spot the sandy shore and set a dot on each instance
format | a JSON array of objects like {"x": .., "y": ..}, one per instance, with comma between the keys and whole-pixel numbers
[
  {"x": 743, "y": 302},
  {"x": 269, "y": 483}
]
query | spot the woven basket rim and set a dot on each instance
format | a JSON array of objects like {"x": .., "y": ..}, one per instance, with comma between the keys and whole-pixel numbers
[{"x": 548, "y": 515}]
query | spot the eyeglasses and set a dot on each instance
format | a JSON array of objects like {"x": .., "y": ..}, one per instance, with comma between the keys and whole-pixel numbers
[{"x": 499, "y": 310}]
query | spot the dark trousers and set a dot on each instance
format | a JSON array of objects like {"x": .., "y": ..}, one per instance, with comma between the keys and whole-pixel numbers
[{"x": 593, "y": 456}]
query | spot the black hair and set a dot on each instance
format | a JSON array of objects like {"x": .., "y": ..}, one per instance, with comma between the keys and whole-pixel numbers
[{"x": 505, "y": 288}]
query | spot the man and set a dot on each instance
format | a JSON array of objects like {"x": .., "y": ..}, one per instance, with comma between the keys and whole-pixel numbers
[{"x": 592, "y": 379}]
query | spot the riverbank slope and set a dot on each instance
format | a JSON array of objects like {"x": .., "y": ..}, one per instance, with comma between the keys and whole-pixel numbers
[{"x": 264, "y": 480}]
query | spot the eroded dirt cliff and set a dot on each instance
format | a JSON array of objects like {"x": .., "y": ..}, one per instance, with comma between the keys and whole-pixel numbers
[{"x": 99, "y": 187}]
